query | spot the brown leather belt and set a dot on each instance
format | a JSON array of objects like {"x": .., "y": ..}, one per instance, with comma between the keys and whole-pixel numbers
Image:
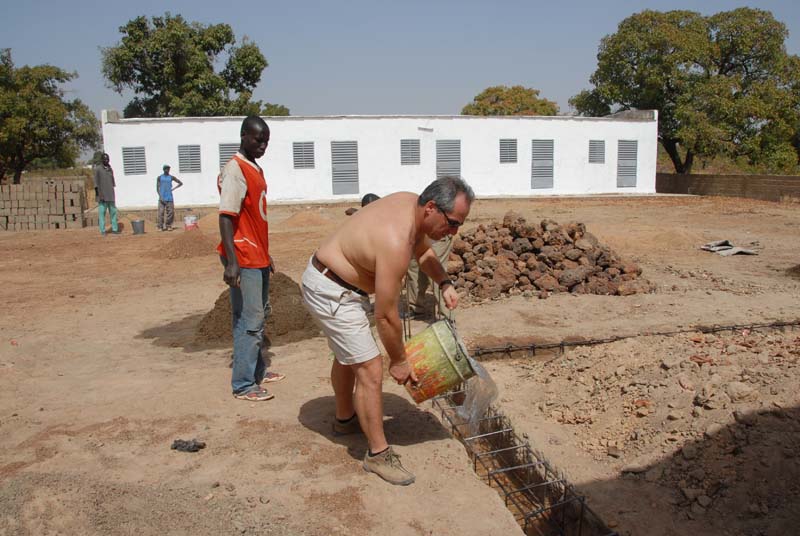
[{"x": 330, "y": 274}]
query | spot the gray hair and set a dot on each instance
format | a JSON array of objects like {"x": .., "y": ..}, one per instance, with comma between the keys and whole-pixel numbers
[{"x": 444, "y": 190}]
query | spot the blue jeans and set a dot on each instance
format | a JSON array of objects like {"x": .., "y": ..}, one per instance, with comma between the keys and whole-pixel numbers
[
  {"x": 112, "y": 209},
  {"x": 249, "y": 308}
]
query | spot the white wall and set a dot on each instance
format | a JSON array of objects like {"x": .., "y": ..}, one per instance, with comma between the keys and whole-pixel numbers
[{"x": 378, "y": 140}]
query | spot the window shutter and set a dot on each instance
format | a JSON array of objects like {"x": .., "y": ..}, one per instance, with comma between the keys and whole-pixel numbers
[
  {"x": 541, "y": 164},
  {"x": 133, "y": 161},
  {"x": 303, "y": 153},
  {"x": 409, "y": 153},
  {"x": 626, "y": 163},
  {"x": 226, "y": 152},
  {"x": 448, "y": 158},
  {"x": 344, "y": 160},
  {"x": 188, "y": 158},
  {"x": 508, "y": 151},
  {"x": 597, "y": 152}
]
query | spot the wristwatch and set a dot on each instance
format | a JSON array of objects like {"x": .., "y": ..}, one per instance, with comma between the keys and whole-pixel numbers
[{"x": 445, "y": 282}]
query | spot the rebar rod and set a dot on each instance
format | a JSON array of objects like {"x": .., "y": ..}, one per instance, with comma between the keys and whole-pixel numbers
[{"x": 509, "y": 348}]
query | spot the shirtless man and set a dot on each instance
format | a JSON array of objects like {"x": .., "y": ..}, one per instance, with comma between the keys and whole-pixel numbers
[{"x": 369, "y": 254}]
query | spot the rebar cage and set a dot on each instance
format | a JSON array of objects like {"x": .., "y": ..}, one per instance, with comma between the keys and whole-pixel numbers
[{"x": 541, "y": 499}]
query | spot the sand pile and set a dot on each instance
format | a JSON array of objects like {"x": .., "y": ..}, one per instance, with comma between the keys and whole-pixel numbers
[
  {"x": 289, "y": 321},
  {"x": 308, "y": 218},
  {"x": 517, "y": 257},
  {"x": 187, "y": 244}
]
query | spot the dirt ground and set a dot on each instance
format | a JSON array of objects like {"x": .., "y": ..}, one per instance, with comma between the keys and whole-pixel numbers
[{"x": 102, "y": 367}]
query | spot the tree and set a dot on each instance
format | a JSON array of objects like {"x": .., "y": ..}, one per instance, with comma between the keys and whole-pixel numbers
[
  {"x": 35, "y": 120},
  {"x": 722, "y": 84},
  {"x": 515, "y": 100},
  {"x": 168, "y": 63}
]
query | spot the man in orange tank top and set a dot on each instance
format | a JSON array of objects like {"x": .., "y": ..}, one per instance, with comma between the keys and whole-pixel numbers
[{"x": 244, "y": 251}]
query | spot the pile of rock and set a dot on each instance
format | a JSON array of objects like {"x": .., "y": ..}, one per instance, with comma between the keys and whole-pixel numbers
[{"x": 517, "y": 257}]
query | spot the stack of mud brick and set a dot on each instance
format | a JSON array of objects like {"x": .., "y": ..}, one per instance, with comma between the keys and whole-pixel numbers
[{"x": 42, "y": 205}]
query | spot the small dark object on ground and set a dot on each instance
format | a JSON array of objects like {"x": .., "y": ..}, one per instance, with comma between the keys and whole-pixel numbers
[{"x": 191, "y": 445}]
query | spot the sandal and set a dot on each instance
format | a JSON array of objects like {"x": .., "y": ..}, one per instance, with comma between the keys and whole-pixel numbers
[
  {"x": 271, "y": 377},
  {"x": 259, "y": 395}
]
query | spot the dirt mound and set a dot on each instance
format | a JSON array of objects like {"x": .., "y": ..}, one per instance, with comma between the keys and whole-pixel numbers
[
  {"x": 289, "y": 321},
  {"x": 308, "y": 218},
  {"x": 186, "y": 245},
  {"x": 209, "y": 223},
  {"x": 516, "y": 257}
]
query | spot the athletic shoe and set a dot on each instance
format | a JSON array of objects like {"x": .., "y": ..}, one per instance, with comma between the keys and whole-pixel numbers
[{"x": 387, "y": 466}]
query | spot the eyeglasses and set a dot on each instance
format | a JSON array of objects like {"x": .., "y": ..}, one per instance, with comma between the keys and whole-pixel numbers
[{"x": 455, "y": 224}]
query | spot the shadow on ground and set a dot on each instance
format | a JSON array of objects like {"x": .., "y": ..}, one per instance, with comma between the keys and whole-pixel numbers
[
  {"x": 404, "y": 423},
  {"x": 741, "y": 479}
]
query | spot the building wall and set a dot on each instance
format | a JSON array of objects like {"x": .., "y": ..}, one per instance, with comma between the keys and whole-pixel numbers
[{"x": 378, "y": 140}]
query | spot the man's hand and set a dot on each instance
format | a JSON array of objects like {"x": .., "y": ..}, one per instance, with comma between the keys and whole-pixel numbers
[
  {"x": 271, "y": 264},
  {"x": 232, "y": 273},
  {"x": 450, "y": 297},
  {"x": 403, "y": 373}
]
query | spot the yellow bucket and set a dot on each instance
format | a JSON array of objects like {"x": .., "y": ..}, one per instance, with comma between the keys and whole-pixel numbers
[{"x": 439, "y": 359}]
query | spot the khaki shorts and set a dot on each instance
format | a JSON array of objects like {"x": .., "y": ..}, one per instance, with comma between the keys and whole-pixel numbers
[{"x": 342, "y": 314}]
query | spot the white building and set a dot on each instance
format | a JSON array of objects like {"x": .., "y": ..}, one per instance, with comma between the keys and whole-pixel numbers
[{"x": 344, "y": 157}]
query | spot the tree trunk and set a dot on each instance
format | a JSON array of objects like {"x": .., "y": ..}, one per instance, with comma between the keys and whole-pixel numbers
[{"x": 682, "y": 167}]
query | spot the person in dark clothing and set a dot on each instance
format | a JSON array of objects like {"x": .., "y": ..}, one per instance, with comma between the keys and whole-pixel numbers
[{"x": 104, "y": 185}]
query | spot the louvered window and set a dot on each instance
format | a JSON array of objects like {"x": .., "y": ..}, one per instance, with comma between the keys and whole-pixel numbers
[
  {"x": 508, "y": 151},
  {"x": 303, "y": 152},
  {"x": 188, "y": 158},
  {"x": 541, "y": 164},
  {"x": 133, "y": 161},
  {"x": 409, "y": 152},
  {"x": 344, "y": 161},
  {"x": 597, "y": 152},
  {"x": 626, "y": 163},
  {"x": 226, "y": 152},
  {"x": 448, "y": 158}
]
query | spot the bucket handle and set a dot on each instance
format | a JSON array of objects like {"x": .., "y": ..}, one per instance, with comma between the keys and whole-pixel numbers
[{"x": 449, "y": 357}]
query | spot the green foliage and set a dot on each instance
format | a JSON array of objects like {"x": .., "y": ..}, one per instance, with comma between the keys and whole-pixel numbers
[
  {"x": 36, "y": 123},
  {"x": 723, "y": 85},
  {"x": 515, "y": 100},
  {"x": 168, "y": 63}
]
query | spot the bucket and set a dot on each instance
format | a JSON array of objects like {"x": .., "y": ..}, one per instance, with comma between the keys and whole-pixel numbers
[
  {"x": 189, "y": 222},
  {"x": 138, "y": 226},
  {"x": 439, "y": 359}
]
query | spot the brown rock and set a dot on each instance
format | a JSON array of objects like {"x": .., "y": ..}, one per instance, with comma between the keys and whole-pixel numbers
[
  {"x": 505, "y": 277},
  {"x": 487, "y": 290},
  {"x": 546, "y": 282},
  {"x": 454, "y": 264},
  {"x": 460, "y": 246},
  {"x": 638, "y": 286}
]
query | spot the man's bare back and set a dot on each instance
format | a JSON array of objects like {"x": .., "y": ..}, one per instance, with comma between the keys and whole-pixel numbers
[{"x": 384, "y": 231}]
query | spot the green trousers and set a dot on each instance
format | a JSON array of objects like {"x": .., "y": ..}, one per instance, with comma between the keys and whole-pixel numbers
[
  {"x": 417, "y": 281},
  {"x": 112, "y": 210}
]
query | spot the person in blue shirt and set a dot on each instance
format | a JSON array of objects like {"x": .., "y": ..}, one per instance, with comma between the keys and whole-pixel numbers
[{"x": 166, "y": 204}]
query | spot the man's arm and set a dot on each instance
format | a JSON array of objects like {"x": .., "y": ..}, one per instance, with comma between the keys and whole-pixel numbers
[
  {"x": 158, "y": 190},
  {"x": 232, "y": 270},
  {"x": 390, "y": 266},
  {"x": 94, "y": 180},
  {"x": 175, "y": 179}
]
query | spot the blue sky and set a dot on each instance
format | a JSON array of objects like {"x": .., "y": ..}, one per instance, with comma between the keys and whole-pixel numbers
[{"x": 364, "y": 57}]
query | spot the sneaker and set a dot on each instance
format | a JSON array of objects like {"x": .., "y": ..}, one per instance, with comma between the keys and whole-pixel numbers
[
  {"x": 271, "y": 377},
  {"x": 350, "y": 426},
  {"x": 387, "y": 466},
  {"x": 259, "y": 395}
]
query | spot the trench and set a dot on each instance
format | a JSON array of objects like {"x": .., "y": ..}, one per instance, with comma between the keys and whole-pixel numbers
[{"x": 538, "y": 495}]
